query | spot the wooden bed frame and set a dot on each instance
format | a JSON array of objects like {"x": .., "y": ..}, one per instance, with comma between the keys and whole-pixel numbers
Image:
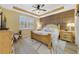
[{"x": 46, "y": 39}]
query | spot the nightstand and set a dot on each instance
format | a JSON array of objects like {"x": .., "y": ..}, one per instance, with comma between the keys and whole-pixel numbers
[{"x": 67, "y": 36}]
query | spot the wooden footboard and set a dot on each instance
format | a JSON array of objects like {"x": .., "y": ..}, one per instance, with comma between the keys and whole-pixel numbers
[{"x": 46, "y": 39}]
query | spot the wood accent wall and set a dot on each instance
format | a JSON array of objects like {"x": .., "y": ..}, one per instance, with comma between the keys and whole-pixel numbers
[{"x": 60, "y": 18}]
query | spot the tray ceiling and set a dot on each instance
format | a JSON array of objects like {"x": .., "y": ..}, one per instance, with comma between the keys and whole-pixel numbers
[{"x": 27, "y": 8}]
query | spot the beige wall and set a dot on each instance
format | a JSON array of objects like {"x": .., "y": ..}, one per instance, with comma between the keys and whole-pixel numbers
[{"x": 13, "y": 19}]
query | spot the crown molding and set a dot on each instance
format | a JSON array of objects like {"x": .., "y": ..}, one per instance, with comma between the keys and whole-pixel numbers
[
  {"x": 57, "y": 9},
  {"x": 20, "y": 9}
]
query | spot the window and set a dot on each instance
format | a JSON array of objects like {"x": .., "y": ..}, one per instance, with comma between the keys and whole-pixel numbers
[{"x": 26, "y": 22}]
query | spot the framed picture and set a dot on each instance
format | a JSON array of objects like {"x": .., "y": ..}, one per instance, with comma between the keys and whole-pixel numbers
[
  {"x": 3, "y": 22},
  {"x": 0, "y": 20}
]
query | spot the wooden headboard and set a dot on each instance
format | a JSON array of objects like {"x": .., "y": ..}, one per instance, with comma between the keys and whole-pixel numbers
[{"x": 53, "y": 26}]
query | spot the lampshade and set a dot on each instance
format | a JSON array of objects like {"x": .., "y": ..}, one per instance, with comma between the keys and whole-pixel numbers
[
  {"x": 70, "y": 25},
  {"x": 39, "y": 25}
]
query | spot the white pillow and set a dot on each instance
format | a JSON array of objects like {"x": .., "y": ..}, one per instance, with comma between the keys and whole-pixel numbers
[{"x": 50, "y": 29}]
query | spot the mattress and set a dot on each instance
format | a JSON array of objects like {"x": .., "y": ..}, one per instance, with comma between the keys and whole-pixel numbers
[{"x": 41, "y": 32}]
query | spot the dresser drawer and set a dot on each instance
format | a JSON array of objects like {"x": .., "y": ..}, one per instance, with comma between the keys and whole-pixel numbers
[
  {"x": 67, "y": 36},
  {"x": 68, "y": 39}
]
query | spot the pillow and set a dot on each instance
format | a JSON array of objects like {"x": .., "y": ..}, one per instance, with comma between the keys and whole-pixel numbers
[
  {"x": 44, "y": 29},
  {"x": 50, "y": 29}
]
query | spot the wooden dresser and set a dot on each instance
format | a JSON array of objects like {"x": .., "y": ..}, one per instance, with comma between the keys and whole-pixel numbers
[
  {"x": 5, "y": 42},
  {"x": 67, "y": 36}
]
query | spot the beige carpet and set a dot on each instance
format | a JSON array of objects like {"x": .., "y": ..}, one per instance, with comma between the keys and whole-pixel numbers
[
  {"x": 70, "y": 48},
  {"x": 23, "y": 47},
  {"x": 28, "y": 46}
]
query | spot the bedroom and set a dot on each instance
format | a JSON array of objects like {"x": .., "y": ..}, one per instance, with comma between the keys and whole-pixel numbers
[{"x": 27, "y": 21}]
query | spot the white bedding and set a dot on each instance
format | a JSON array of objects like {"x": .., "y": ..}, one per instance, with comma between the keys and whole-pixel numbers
[
  {"x": 53, "y": 34},
  {"x": 54, "y": 31},
  {"x": 41, "y": 32}
]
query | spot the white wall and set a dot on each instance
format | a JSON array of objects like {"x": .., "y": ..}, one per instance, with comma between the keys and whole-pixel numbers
[
  {"x": 77, "y": 30},
  {"x": 76, "y": 27}
]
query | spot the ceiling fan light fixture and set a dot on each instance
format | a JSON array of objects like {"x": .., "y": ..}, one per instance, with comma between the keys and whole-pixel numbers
[
  {"x": 36, "y": 5},
  {"x": 38, "y": 8}
]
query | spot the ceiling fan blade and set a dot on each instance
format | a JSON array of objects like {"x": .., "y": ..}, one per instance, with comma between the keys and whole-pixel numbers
[
  {"x": 22, "y": 10},
  {"x": 34, "y": 9},
  {"x": 43, "y": 9},
  {"x": 34, "y": 6},
  {"x": 42, "y": 5}
]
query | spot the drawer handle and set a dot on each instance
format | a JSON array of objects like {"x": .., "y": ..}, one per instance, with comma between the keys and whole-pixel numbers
[
  {"x": 65, "y": 34},
  {"x": 65, "y": 37}
]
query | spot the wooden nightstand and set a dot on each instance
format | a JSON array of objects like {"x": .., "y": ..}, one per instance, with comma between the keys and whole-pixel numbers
[{"x": 67, "y": 36}]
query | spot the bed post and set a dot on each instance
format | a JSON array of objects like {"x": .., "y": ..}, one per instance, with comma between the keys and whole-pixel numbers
[{"x": 49, "y": 43}]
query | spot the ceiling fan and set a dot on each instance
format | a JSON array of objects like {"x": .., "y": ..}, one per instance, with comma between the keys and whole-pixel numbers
[{"x": 38, "y": 7}]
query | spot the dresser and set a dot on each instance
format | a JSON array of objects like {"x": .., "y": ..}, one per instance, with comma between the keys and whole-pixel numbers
[
  {"x": 67, "y": 36},
  {"x": 5, "y": 42}
]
